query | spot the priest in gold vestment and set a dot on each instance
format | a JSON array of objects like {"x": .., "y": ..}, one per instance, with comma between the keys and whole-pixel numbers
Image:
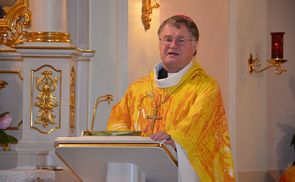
[{"x": 179, "y": 104}]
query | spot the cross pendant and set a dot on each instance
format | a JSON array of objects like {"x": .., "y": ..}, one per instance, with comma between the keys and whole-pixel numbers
[{"x": 154, "y": 117}]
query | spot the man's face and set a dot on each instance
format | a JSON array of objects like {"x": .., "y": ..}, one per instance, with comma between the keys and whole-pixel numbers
[{"x": 177, "y": 48}]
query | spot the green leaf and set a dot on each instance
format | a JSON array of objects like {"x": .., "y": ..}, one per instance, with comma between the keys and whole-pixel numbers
[
  {"x": 11, "y": 139},
  {"x": 2, "y": 132},
  {"x": 3, "y": 137}
]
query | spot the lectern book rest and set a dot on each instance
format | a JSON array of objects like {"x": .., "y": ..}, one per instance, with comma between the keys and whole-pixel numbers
[{"x": 89, "y": 156}]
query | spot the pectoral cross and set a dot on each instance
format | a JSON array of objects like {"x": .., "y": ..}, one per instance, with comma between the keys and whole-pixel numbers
[{"x": 154, "y": 117}]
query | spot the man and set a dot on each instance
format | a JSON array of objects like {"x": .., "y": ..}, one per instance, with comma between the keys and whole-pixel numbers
[{"x": 181, "y": 105}]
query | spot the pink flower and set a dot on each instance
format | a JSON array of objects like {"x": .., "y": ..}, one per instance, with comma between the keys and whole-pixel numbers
[{"x": 5, "y": 120}]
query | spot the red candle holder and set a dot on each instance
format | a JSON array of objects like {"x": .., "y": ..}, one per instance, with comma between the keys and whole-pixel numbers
[
  {"x": 277, "y": 56},
  {"x": 277, "y": 49}
]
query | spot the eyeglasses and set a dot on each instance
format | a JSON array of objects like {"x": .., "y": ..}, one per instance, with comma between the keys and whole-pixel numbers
[{"x": 180, "y": 41}]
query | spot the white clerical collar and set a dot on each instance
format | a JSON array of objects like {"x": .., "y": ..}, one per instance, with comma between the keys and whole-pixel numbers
[{"x": 172, "y": 79}]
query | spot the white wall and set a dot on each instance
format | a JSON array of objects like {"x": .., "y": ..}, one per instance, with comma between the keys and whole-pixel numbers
[
  {"x": 281, "y": 89},
  {"x": 108, "y": 69},
  {"x": 264, "y": 102},
  {"x": 250, "y": 105},
  {"x": 143, "y": 51}
]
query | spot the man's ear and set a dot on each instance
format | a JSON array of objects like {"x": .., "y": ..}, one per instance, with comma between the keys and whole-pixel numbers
[{"x": 195, "y": 47}]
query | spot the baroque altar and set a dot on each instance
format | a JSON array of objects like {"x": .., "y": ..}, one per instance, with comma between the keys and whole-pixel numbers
[{"x": 39, "y": 64}]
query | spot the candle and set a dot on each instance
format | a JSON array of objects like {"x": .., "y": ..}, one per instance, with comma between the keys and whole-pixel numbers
[{"x": 277, "y": 40}]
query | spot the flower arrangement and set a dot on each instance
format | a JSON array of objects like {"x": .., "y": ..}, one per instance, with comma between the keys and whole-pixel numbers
[{"x": 5, "y": 122}]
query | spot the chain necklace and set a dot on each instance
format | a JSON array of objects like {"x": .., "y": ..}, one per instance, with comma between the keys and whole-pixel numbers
[{"x": 155, "y": 116}]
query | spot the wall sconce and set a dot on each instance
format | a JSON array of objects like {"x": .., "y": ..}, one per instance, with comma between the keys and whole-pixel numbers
[
  {"x": 277, "y": 40},
  {"x": 147, "y": 10}
]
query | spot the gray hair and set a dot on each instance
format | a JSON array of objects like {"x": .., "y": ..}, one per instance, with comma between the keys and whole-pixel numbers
[{"x": 177, "y": 21}]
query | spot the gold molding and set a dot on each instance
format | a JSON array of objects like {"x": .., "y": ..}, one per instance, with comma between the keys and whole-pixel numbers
[
  {"x": 17, "y": 17},
  {"x": 56, "y": 57},
  {"x": 47, "y": 47},
  {"x": 9, "y": 50},
  {"x": 46, "y": 101},
  {"x": 73, "y": 48},
  {"x": 48, "y": 37},
  {"x": 58, "y": 48},
  {"x": 11, "y": 59},
  {"x": 86, "y": 50},
  {"x": 72, "y": 100},
  {"x": 18, "y": 72}
]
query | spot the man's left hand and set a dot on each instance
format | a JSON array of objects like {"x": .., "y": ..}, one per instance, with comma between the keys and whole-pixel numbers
[{"x": 163, "y": 136}]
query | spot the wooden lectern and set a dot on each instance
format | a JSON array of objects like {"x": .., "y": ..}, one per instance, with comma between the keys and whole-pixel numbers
[{"x": 88, "y": 156}]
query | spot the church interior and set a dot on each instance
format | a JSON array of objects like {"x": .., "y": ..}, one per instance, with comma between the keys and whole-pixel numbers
[{"x": 74, "y": 52}]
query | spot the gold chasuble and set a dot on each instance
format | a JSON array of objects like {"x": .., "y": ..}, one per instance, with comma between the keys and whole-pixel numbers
[{"x": 191, "y": 112}]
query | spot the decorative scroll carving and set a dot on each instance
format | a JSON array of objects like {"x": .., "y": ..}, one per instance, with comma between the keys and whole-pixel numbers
[
  {"x": 46, "y": 99},
  {"x": 14, "y": 17},
  {"x": 72, "y": 101}
]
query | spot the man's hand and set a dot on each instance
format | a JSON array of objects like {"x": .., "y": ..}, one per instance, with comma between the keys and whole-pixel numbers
[{"x": 163, "y": 136}]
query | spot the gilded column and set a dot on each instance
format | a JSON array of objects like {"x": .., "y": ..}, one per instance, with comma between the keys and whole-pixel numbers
[{"x": 49, "y": 21}]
